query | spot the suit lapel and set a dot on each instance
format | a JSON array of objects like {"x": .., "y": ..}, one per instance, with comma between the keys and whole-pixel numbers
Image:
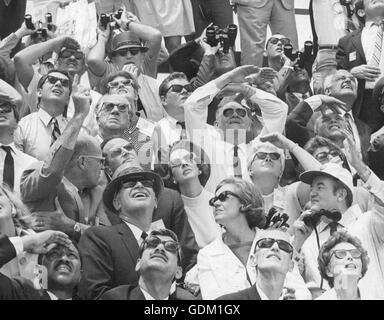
[
  {"x": 129, "y": 241},
  {"x": 356, "y": 41},
  {"x": 253, "y": 294},
  {"x": 137, "y": 294}
]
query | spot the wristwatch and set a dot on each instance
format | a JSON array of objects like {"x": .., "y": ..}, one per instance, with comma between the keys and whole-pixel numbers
[{"x": 77, "y": 227}]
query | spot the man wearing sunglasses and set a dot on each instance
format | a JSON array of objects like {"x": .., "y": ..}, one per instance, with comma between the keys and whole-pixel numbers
[
  {"x": 135, "y": 50},
  {"x": 158, "y": 266},
  {"x": 272, "y": 259}
]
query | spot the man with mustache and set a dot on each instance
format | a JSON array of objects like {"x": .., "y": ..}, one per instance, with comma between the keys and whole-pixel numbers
[
  {"x": 58, "y": 256},
  {"x": 158, "y": 265}
]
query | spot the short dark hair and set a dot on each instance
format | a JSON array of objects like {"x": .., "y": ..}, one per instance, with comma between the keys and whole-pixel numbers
[
  {"x": 325, "y": 253},
  {"x": 45, "y": 77},
  {"x": 317, "y": 142},
  {"x": 112, "y": 76},
  {"x": 164, "y": 85},
  {"x": 75, "y": 244},
  {"x": 251, "y": 198}
]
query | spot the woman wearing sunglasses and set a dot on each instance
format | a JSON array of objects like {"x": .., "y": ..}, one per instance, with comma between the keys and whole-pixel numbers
[{"x": 343, "y": 262}]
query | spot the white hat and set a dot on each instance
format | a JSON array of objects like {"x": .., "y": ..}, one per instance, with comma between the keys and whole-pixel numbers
[{"x": 332, "y": 170}]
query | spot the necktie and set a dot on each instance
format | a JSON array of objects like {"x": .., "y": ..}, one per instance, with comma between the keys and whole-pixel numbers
[
  {"x": 144, "y": 235},
  {"x": 375, "y": 60},
  {"x": 332, "y": 227},
  {"x": 236, "y": 162},
  {"x": 55, "y": 130},
  {"x": 9, "y": 168},
  {"x": 348, "y": 121},
  {"x": 183, "y": 134}
]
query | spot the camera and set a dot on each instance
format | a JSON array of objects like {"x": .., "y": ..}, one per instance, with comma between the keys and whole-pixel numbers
[
  {"x": 41, "y": 31},
  {"x": 226, "y": 37},
  {"x": 106, "y": 18},
  {"x": 305, "y": 57},
  {"x": 313, "y": 219},
  {"x": 28, "y": 22}
]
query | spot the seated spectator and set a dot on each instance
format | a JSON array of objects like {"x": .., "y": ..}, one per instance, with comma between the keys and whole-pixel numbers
[
  {"x": 158, "y": 266},
  {"x": 342, "y": 262},
  {"x": 225, "y": 265},
  {"x": 129, "y": 53},
  {"x": 58, "y": 255},
  {"x": 272, "y": 260},
  {"x": 12, "y": 161},
  {"x": 69, "y": 178}
]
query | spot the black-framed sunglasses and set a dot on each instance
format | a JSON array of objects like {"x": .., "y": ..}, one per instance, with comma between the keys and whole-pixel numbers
[
  {"x": 118, "y": 151},
  {"x": 222, "y": 197},
  {"x": 145, "y": 182},
  {"x": 7, "y": 107},
  {"x": 120, "y": 106},
  {"x": 177, "y": 88},
  {"x": 115, "y": 84},
  {"x": 101, "y": 160},
  {"x": 341, "y": 254},
  {"x": 124, "y": 52},
  {"x": 267, "y": 243},
  {"x": 271, "y": 155},
  {"x": 169, "y": 245},
  {"x": 190, "y": 158},
  {"x": 53, "y": 80},
  {"x": 324, "y": 156},
  {"x": 284, "y": 41},
  {"x": 66, "y": 53},
  {"x": 228, "y": 112}
]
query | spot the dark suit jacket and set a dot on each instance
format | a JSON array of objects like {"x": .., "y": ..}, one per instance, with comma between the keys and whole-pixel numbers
[
  {"x": 127, "y": 292},
  {"x": 16, "y": 288},
  {"x": 246, "y": 294},
  {"x": 296, "y": 128},
  {"x": 170, "y": 209}
]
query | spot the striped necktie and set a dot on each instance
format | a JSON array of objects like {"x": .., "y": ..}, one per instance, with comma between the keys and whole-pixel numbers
[
  {"x": 183, "y": 134},
  {"x": 236, "y": 162},
  {"x": 55, "y": 130},
  {"x": 348, "y": 121},
  {"x": 9, "y": 168},
  {"x": 375, "y": 60}
]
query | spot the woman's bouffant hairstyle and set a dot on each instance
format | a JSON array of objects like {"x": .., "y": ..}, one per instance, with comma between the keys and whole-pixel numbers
[
  {"x": 325, "y": 253},
  {"x": 251, "y": 199},
  {"x": 21, "y": 216}
]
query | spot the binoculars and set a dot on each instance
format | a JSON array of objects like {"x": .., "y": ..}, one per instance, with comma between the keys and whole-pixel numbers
[
  {"x": 313, "y": 219},
  {"x": 304, "y": 57},
  {"x": 226, "y": 36},
  {"x": 108, "y": 18},
  {"x": 40, "y": 30}
]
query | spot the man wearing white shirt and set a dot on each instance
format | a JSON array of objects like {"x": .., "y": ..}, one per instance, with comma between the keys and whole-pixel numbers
[{"x": 226, "y": 143}]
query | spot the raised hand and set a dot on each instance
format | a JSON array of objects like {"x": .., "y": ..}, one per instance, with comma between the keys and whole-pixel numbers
[
  {"x": 278, "y": 140},
  {"x": 44, "y": 241},
  {"x": 81, "y": 97},
  {"x": 366, "y": 72}
]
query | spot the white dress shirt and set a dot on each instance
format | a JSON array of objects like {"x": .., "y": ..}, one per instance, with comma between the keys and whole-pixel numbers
[
  {"x": 170, "y": 131},
  {"x": 21, "y": 162},
  {"x": 149, "y": 297},
  {"x": 137, "y": 232},
  {"x": 34, "y": 132}
]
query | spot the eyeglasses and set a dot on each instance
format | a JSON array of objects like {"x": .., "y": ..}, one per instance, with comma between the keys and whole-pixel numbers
[
  {"x": 53, "y": 80},
  {"x": 190, "y": 158},
  {"x": 132, "y": 51},
  {"x": 228, "y": 112},
  {"x": 121, "y": 107},
  {"x": 341, "y": 254},
  {"x": 324, "y": 156},
  {"x": 153, "y": 242},
  {"x": 118, "y": 151},
  {"x": 284, "y": 41},
  {"x": 177, "y": 88},
  {"x": 115, "y": 84},
  {"x": 100, "y": 159},
  {"x": 7, "y": 107},
  {"x": 263, "y": 155},
  {"x": 69, "y": 53},
  {"x": 267, "y": 243},
  {"x": 222, "y": 197},
  {"x": 132, "y": 183}
]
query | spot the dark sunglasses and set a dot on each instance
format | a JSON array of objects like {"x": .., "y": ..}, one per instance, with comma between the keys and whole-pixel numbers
[
  {"x": 188, "y": 158},
  {"x": 53, "y": 80},
  {"x": 341, "y": 254},
  {"x": 324, "y": 156},
  {"x": 284, "y": 41},
  {"x": 119, "y": 150},
  {"x": 69, "y": 53},
  {"x": 179, "y": 88},
  {"x": 228, "y": 112},
  {"x": 110, "y": 106},
  {"x": 7, "y": 107},
  {"x": 267, "y": 243},
  {"x": 263, "y": 155},
  {"x": 222, "y": 197},
  {"x": 132, "y": 183},
  {"x": 115, "y": 84},
  {"x": 153, "y": 242},
  {"x": 132, "y": 51}
]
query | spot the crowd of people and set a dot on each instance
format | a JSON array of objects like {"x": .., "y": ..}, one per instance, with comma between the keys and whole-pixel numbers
[{"x": 251, "y": 176}]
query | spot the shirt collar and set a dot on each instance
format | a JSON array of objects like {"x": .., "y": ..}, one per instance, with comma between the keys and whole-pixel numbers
[
  {"x": 149, "y": 297},
  {"x": 347, "y": 218},
  {"x": 171, "y": 119},
  {"x": 54, "y": 297},
  {"x": 137, "y": 232},
  {"x": 12, "y": 145},
  {"x": 46, "y": 118}
]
